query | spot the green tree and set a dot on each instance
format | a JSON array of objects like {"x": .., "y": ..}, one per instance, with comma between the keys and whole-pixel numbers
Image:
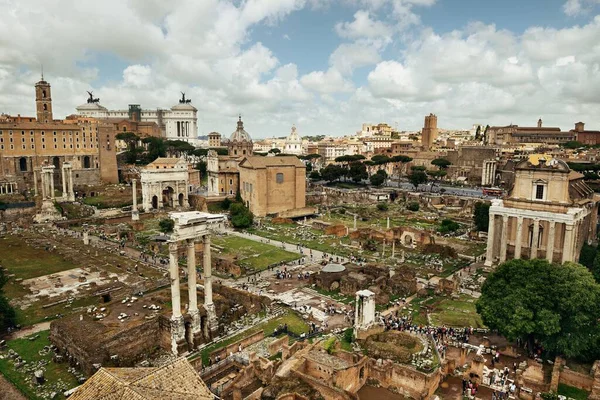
[
  {"x": 400, "y": 160},
  {"x": 377, "y": 179},
  {"x": 417, "y": 177},
  {"x": 156, "y": 148},
  {"x": 225, "y": 204},
  {"x": 357, "y": 172},
  {"x": 481, "y": 216},
  {"x": 441, "y": 163},
  {"x": 595, "y": 269},
  {"x": 382, "y": 206},
  {"x": 177, "y": 148},
  {"x": 478, "y": 132},
  {"x": 413, "y": 206},
  {"x": 201, "y": 166},
  {"x": 333, "y": 172},
  {"x": 587, "y": 256},
  {"x": 315, "y": 175},
  {"x": 448, "y": 226},
  {"x": 572, "y": 144},
  {"x": 8, "y": 317},
  {"x": 557, "y": 305},
  {"x": 131, "y": 139},
  {"x": 241, "y": 216},
  {"x": 275, "y": 151},
  {"x": 166, "y": 225}
]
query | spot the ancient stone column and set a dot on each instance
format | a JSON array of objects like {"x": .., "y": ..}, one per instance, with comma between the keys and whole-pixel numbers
[
  {"x": 535, "y": 239},
  {"x": 135, "y": 215},
  {"x": 43, "y": 176},
  {"x": 503, "y": 241},
  {"x": 568, "y": 245},
  {"x": 519, "y": 238},
  {"x": 35, "y": 182},
  {"x": 388, "y": 222},
  {"x": 51, "y": 176},
  {"x": 208, "y": 300},
  {"x": 64, "y": 182},
  {"x": 177, "y": 324},
  {"x": 71, "y": 189},
  {"x": 86, "y": 238},
  {"x": 192, "y": 294},
  {"x": 550, "y": 244},
  {"x": 489, "y": 257},
  {"x": 354, "y": 222},
  {"x": 393, "y": 248}
]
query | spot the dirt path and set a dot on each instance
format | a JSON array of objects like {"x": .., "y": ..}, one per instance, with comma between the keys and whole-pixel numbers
[
  {"x": 8, "y": 391},
  {"x": 30, "y": 330}
]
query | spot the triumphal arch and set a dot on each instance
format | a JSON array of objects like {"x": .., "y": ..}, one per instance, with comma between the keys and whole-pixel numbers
[{"x": 190, "y": 227}]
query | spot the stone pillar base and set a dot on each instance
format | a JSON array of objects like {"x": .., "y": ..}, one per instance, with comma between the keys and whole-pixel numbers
[
  {"x": 213, "y": 324},
  {"x": 135, "y": 215},
  {"x": 178, "y": 342}
]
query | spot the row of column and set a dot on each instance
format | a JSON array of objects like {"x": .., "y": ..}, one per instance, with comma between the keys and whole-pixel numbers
[
  {"x": 48, "y": 182},
  {"x": 568, "y": 250},
  {"x": 68, "y": 192},
  {"x": 8, "y": 188},
  {"x": 489, "y": 172},
  {"x": 177, "y": 322},
  {"x": 135, "y": 215}
]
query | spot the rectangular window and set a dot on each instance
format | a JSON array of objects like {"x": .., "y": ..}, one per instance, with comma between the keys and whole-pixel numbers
[
  {"x": 279, "y": 177},
  {"x": 539, "y": 192}
]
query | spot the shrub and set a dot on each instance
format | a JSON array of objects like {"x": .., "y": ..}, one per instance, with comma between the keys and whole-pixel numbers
[
  {"x": 166, "y": 225},
  {"x": 382, "y": 206},
  {"x": 225, "y": 204},
  {"x": 241, "y": 217},
  {"x": 448, "y": 226},
  {"x": 412, "y": 206}
]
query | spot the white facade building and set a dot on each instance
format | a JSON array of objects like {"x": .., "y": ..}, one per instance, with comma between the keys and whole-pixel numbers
[
  {"x": 180, "y": 122},
  {"x": 293, "y": 143}
]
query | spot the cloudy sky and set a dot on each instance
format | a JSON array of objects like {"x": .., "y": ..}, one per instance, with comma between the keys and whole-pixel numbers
[{"x": 325, "y": 65}]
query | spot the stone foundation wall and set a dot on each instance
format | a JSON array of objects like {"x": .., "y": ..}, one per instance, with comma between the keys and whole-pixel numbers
[
  {"x": 328, "y": 392},
  {"x": 234, "y": 347},
  {"x": 576, "y": 379},
  {"x": 405, "y": 379}
]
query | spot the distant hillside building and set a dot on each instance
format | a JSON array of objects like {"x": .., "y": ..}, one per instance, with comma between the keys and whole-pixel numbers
[
  {"x": 26, "y": 144},
  {"x": 430, "y": 131},
  {"x": 504, "y": 135},
  {"x": 214, "y": 139},
  {"x": 240, "y": 142},
  {"x": 591, "y": 138},
  {"x": 178, "y": 123},
  {"x": 550, "y": 212},
  {"x": 293, "y": 143}
]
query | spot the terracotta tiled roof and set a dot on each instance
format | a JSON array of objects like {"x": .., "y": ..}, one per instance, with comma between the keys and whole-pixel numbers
[
  {"x": 263, "y": 162},
  {"x": 177, "y": 380}
]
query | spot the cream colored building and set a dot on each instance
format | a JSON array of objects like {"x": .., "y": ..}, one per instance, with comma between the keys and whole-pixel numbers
[
  {"x": 274, "y": 185},
  {"x": 165, "y": 183},
  {"x": 549, "y": 213}
]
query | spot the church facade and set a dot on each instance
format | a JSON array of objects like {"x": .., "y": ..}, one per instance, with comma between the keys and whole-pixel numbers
[{"x": 550, "y": 213}]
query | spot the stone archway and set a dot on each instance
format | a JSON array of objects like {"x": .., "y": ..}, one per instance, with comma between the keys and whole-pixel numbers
[
  {"x": 408, "y": 239},
  {"x": 167, "y": 196},
  {"x": 155, "y": 202},
  {"x": 181, "y": 199}
]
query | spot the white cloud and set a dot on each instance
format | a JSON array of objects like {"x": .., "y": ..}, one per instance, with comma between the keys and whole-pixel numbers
[
  {"x": 575, "y": 7},
  {"x": 330, "y": 81},
  {"x": 364, "y": 27}
]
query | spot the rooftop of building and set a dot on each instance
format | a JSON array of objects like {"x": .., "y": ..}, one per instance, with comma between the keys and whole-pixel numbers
[
  {"x": 256, "y": 162},
  {"x": 176, "y": 380}
]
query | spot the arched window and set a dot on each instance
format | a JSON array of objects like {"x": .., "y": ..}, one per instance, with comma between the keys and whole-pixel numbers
[
  {"x": 45, "y": 107},
  {"x": 43, "y": 94},
  {"x": 86, "y": 162},
  {"x": 23, "y": 164}
]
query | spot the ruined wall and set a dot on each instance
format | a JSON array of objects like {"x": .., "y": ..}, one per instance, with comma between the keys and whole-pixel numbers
[
  {"x": 576, "y": 379},
  {"x": 130, "y": 344},
  {"x": 328, "y": 392},
  {"x": 277, "y": 345},
  {"x": 234, "y": 347},
  {"x": 405, "y": 379}
]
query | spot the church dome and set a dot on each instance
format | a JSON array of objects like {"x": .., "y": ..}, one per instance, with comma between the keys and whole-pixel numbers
[{"x": 240, "y": 135}]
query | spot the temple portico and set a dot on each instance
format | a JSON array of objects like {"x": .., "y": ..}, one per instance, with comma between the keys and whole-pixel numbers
[
  {"x": 516, "y": 233},
  {"x": 48, "y": 182},
  {"x": 190, "y": 226},
  {"x": 549, "y": 213}
]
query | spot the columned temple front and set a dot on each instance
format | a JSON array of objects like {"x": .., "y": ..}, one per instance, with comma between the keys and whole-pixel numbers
[{"x": 549, "y": 213}]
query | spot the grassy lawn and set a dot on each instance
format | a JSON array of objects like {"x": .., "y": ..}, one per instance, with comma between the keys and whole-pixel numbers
[
  {"x": 103, "y": 201},
  {"x": 336, "y": 295},
  {"x": 294, "y": 322},
  {"x": 456, "y": 313},
  {"x": 57, "y": 377},
  {"x": 253, "y": 255},
  {"x": 28, "y": 262},
  {"x": 572, "y": 392}
]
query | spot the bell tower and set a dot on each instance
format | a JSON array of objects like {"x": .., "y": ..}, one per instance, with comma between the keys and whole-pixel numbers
[{"x": 43, "y": 101}]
